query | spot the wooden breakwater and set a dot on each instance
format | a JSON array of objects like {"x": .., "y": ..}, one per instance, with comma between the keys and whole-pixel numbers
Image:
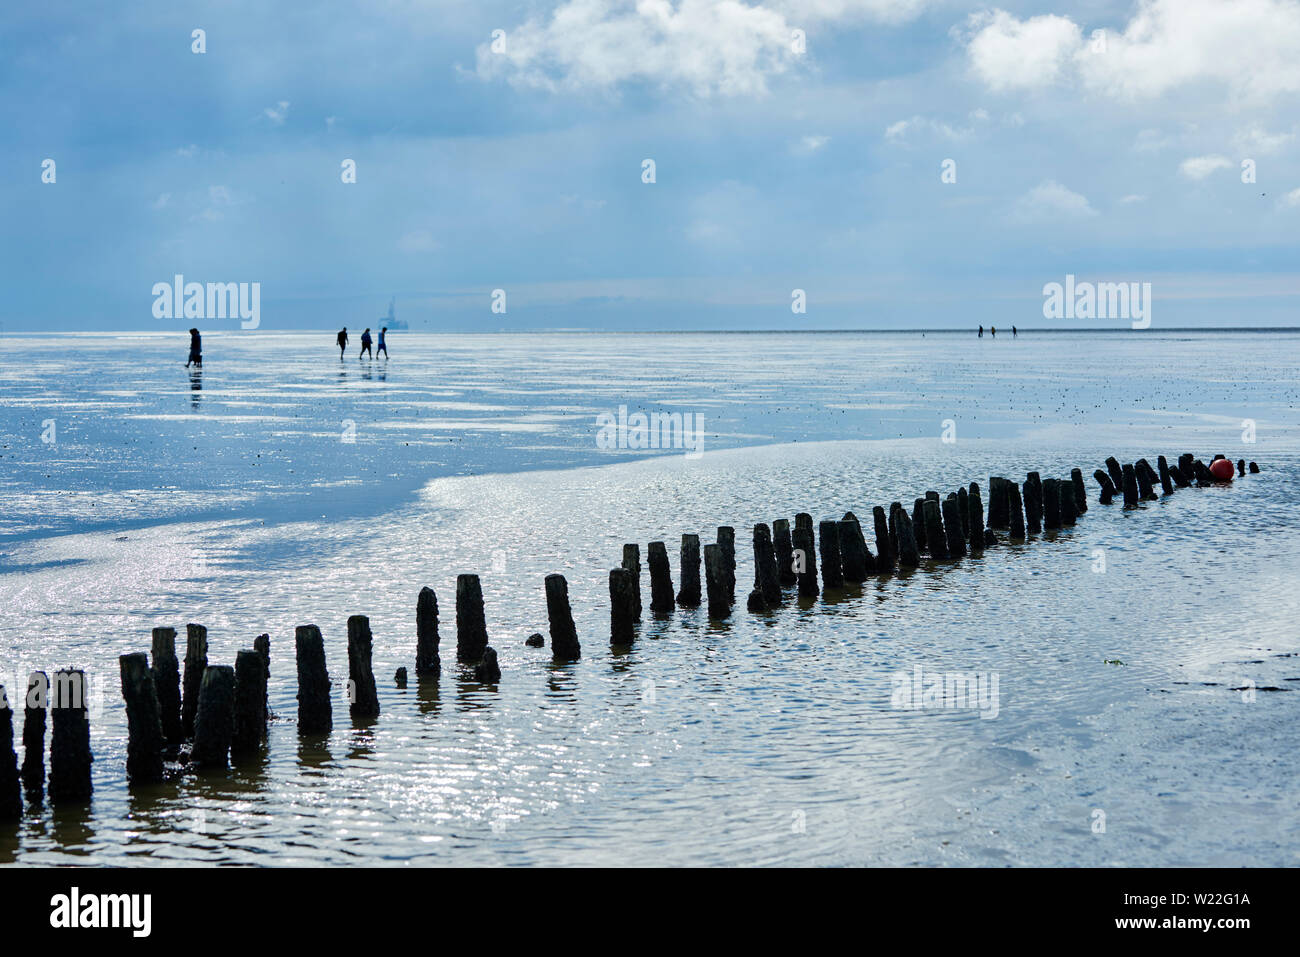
[{"x": 208, "y": 716}]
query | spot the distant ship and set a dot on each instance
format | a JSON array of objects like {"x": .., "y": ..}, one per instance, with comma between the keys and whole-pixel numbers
[{"x": 391, "y": 320}]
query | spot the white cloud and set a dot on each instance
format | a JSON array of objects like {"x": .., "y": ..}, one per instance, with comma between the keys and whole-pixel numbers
[
  {"x": 1292, "y": 199},
  {"x": 187, "y": 151},
  {"x": 808, "y": 145},
  {"x": 723, "y": 47},
  {"x": 1248, "y": 47},
  {"x": 1049, "y": 201},
  {"x": 1199, "y": 167},
  {"x": 276, "y": 114},
  {"x": 1133, "y": 198},
  {"x": 1256, "y": 140},
  {"x": 901, "y": 131}
]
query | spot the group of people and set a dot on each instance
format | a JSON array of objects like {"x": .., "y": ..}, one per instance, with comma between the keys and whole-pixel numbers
[
  {"x": 994, "y": 331},
  {"x": 342, "y": 340}
]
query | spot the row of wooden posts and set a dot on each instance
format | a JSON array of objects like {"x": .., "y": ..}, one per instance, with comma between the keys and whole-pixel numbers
[{"x": 210, "y": 714}]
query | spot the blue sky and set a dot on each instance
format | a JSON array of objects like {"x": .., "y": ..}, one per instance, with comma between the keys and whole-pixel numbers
[{"x": 521, "y": 168}]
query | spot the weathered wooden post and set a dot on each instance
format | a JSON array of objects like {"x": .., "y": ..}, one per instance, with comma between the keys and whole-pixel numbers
[
  {"x": 471, "y": 625},
  {"x": 262, "y": 645},
  {"x": 622, "y": 604},
  {"x": 766, "y": 576},
  {"x": 1033, "y": 501},
  {"x": 869, "y": 559},
  {"x": 167, "y": 684},
  {"x": 661, "y": 580},
  {"x": 196, "y": 662},
  {"x": 935, "y": 537},
  {"x": 144, "y": 731},
  {"x": 952, "y": 528},
  {"x": 1241, "y": 467},
  {"x": 975, "y": 518},
  {"x": 828, "y": 541},
  {"x": 784, "y": 544},
  {"x": 1115, "y": 472},
  {"x": 885, "y": 557},
  {"x": 1146, "y": 479},
  {"x": 715, "y": 582},
  {"x": 1166, "y": 480},
  {"x": 427, "y": 662},
  {"x": 805, "y": 562},
  {"x": 853, "y": 550},
  {"x": 1254, "y": 469},
  {"x": 34, "y": 712},
  {"x": 963, "y": 509},
  {"x": 315, "y": 714},
  {"x": 999, "y": 503},
  {"x": 688, "y": 596},
  {"x": 363, "y": 699},
  {"x": 909, "y": 555},
  {"x": 1186, "y": 461},
  {"x": 1108, "y": 489},
  {"x": 214, "y": 724},
  {"x": 632, "y": 562},
  {"x": 1204, "y": 477},
  {"x": 1130, "y": 487},
  {"x": 1066, "y": 491},
  {"x": 1017, "y": 516},
  {"x": 250, "y": 703},
  {"x": 918, "y": 522},
  {"x": 1080, "y": 491},
  {"x": 11, "y": 790},
  {"x": 488, "y": 671},
  {"x": 559, "y": 613},
  {"x": 1051, "y": 504},
  {"x": 727, "y": 542},
  {"x": 70, "y": 756}
]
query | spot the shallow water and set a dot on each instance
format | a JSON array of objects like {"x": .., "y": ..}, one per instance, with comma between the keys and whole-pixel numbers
[{"x": 763, "y": 739}]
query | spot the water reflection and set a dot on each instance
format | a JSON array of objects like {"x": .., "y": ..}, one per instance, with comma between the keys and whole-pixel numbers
[{"x": 196, "y": 387}]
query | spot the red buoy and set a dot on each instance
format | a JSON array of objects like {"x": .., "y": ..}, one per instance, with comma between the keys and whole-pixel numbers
[{"x": 1221, "y": 469}]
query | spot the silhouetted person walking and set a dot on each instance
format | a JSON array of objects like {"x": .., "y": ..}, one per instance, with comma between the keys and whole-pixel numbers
[
  {"x": 1013, "y": 332},
  {"x": 993, "y": 330},
  {"x": 343, "y": 341},
  {"x": 196, "y": 350},
  {"x": 365, "y": 344},
  {"x": 383, "y": 346},
  {"x": 981, "y": 332}
]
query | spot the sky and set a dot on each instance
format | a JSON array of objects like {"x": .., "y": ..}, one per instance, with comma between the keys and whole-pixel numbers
[{"x": 905, "y": 163}]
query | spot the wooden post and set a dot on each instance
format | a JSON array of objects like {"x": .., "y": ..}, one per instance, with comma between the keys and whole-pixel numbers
[
  {"x": 11, "y": 790},
  {"x": 34, "y": 713},
  {"x": 1241, "y": 467},
  {"x": 935, "y": 538},
  {"x": 1017, "y": 523},
  {"x": 727, "y": 542},
  {"x": 1130, "y": 487},
  {"x": 471, "y": 625},
  {"x": 262, "y": 645},
  {"x": 1115, "y": 472},
  {"x": 885, "y": 557},
  {"x": 1080, "y": 491},
  {"x": 1033, "y": 501},
  {"x": 805, "y": 562},
  {"x": 559, "y": 613},
  {"x": 999, "y": 503},
  {"x": 214, "y": 724},
  {"x": 918, "y": 522},
  {"x": 250, "y": 703},
  {"x": 427, "y": 662},
  {"x": 661, "y": 579},
  {"x": 315, "y": 714},
  {"x": 1166, "y": 480},
  {"x": 767, "y": 578},
  {"x": 975, "y": 518},
  {"x": 1066, "y": 491},
  {"x": 1147, "y": 479},
  {"x": 167, "y": 684},
  {"x": 632, "y": 562},
  {"x": 1108, "y": 489},
  {"x": 1051, "y": 504},
  {"x": 784, "y": 544},
  {"x": 828, "y": 541},
  {"x": 688, "y": 596},
  {"x": 144, "y": 734},
  {"x": 909, "y": 555},
  {"x": 869, "y": 560},
  {"x": 1254, "y": 469},
  {"x": 196, "y": 662},
  {"x": 70, "y": 756},
  {"x": 715, "y": 581},
  {"x": 952, "y": 527},
  {"x": 853, "y": 550},
  {"x": 488, "y": 671},
  {"x": 622, "y": 605},
  {"x": 363, "y": 702}
]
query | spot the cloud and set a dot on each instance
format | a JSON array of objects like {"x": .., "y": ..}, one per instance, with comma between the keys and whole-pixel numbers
[
  {"x": 709, "y": 47},
  {"x": 1049, "y": 201},
  {"x": 808, "y": 145},
  {"x": 1248, "y": 47},
  {"x": 1199, "y": 167},
  {"x": 1292, "y": 199},
  {"x": 276, "y": 114},
  {"x": 1256, "y": 140},
  {"x": 899, "y": 133},
  {"x": 418, "y": 241}
]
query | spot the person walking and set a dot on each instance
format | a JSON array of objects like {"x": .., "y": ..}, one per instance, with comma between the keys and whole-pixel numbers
[
  {"x": 981, "y": 332},
  {"x": 196, "y": 350},
  {"x": 994, "y": 331},
  {"x": 342, "y": 341},
  {"x": 383, "y": 346},
  {"x": 1013, "y": 332},
  {"x": 365, "y": 344}
]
